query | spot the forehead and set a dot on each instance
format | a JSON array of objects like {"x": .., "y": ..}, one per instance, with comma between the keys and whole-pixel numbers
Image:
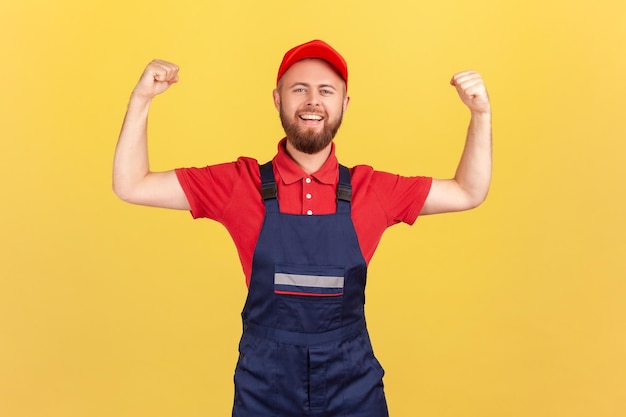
[{"x": 312, "y": 71}]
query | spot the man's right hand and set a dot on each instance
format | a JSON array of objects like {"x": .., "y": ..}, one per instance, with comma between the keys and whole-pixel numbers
[
  {"x": 132, "y": 179},
  {"x": 156, "y": 78}
]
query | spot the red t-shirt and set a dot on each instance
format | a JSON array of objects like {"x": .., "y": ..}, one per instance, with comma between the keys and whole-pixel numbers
[{"x": 230, "y": 193}]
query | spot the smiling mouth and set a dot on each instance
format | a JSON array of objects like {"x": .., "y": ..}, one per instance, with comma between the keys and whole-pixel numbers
[{"x": 311, "y": 117}]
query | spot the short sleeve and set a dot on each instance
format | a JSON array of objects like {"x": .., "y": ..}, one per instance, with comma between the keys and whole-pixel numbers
[
  {"x": 402, "y": 198},
  {"x": 209, "y": 190}
]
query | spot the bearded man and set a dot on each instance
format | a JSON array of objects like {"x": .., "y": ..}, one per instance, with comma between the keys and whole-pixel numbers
[{"x": 305, "y": 228}]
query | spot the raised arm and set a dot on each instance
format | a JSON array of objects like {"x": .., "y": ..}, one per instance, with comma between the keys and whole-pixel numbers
[
  {"x": 470, "y": 185},
  {"x": 133, "y": 181}
]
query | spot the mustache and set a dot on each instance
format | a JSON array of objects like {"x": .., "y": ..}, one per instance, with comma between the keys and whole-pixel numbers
[{"x": 312, "y": 110}]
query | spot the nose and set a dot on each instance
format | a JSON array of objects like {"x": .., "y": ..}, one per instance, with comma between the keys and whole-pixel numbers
[{"x": 312, "y": 98}]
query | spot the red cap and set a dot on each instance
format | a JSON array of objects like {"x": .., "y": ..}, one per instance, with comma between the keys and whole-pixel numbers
[{"x": 314, "y": 49}]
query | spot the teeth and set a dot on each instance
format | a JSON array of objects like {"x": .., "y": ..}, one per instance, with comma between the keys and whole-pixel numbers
[{"x": 311, "y": 117}]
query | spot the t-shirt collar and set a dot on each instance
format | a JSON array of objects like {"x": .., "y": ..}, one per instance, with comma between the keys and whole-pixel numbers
[{"x": 291, "y": 172}]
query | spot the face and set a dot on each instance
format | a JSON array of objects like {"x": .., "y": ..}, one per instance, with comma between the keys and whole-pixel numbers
[{"x": 311, "y": 100}]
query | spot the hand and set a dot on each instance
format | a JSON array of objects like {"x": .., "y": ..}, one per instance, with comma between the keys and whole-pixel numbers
[
  {"x": 156, "y": 78},
  {"x": 472, "y": 91}
]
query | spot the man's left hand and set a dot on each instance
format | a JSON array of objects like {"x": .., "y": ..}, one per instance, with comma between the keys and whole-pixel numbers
[{"x": 472, "y": 91}]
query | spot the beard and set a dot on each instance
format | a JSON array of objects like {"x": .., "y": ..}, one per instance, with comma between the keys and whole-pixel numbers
[{"x": 308, "y": 140}]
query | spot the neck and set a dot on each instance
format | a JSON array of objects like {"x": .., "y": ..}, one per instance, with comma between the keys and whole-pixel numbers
[{"x": 310, "y": 163}]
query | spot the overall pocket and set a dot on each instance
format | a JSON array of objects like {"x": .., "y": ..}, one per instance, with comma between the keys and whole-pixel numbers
[
  {"x": 309, "y": 297},
  {"x": 309, "y": 280}
]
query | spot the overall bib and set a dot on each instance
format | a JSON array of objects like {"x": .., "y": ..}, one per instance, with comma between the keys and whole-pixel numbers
[{"x": 305, "y": 350}]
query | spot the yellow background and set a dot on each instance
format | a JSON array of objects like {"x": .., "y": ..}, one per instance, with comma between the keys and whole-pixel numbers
[{"x": 514, "y": 309}]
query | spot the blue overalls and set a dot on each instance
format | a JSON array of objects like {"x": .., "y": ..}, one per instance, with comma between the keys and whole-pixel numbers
[{"x": 305, "y": 350}]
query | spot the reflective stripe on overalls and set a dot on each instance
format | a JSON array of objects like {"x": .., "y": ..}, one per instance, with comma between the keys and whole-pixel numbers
[{"x": 305, "y": 350}]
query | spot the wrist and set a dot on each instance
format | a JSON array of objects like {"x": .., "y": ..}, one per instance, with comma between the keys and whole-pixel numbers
[
  {"x": 139, "y": 100},
  {"x": 481, "y": 115}
]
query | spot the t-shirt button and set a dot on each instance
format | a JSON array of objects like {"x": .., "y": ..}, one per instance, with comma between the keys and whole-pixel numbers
[
  {"x": 309, "y": 212},
  {"x": 308, "y": 196},
  {"x": 308, "y": 180}
]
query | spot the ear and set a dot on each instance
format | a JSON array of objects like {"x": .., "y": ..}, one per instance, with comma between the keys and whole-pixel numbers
[
  {"x": 276, "y": 96},
  {"x": 346, "y": 101}
]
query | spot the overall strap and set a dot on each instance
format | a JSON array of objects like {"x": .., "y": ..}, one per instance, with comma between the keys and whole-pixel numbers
[
  {"x": 268, "y": 183},
  {"x": 344, "y": 190},
  {"x": 268, "y": 187}
]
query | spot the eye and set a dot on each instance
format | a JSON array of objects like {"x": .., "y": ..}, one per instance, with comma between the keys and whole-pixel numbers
[
  {"x": 326, "y": 92},
  {"x": 299, "y": 90}
]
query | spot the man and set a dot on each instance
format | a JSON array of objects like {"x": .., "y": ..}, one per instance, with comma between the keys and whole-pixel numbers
[{"x": 305, "y": 228}]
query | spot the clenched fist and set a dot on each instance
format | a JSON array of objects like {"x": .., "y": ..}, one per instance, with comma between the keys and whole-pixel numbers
[
  {"x": 156, "y": 78},
  {"x": 472, "y": 91}
]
